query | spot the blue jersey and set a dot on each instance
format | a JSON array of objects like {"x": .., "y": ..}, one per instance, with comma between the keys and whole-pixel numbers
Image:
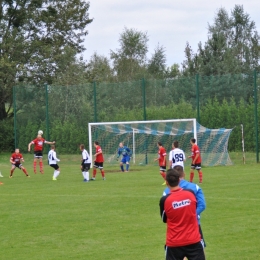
[
  {"x": 125, "y": 151},
  {"x": 201, "y": 203}
]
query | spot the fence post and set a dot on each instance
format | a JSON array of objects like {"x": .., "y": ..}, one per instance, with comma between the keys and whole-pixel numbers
[
  {"x": 95, "y": 101},
  {"x": 15, "y": 131},
  {"x": 197, "y": 98},
  {"x": 144, "y": 98},
  {"x": 256, "y": 116}
]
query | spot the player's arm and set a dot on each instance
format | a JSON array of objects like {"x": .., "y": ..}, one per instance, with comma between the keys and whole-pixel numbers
[
  {"x": 55, "y": 157},
  {"x": 29, "y": 146},
  {"x": 195, "y": 158},
  {"x": 11, "y": 160},
  {"x": 129, "y": 151},
  {"x": 162, "y": 211},
  {"x": 201, "y": 203},
  {"x": 118, "y": 153},
  {"x": 170, "y": 160},
  {"x": 47, "y": 142},
  {"x": 164, "y": 159}
]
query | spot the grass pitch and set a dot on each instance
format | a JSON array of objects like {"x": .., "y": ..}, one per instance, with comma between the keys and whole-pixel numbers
[{"x": 119, "y": 219}]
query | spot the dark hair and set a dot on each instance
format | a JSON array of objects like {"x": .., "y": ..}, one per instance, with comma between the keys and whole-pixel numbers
[
  {"x": 172, "y": 177},
  {"x": 82, "y": 146},
  {"x": 159, "y": 143},
  {"x": 179, "y": 169},
  {"x": 52, "y": 146},
  {"x": 96, "y": 142},
  {"x": 176, "y": 144},
  {"x": 193, "y": 140}
]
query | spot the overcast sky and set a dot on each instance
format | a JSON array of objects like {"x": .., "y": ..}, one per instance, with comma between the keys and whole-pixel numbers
[{"x": 171, "y": 23}]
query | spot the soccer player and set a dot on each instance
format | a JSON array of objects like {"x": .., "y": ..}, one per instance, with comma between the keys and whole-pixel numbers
[
  {"x": 162, "y": 160},
  {"x": 98, "y": 163},
  {"x": 38, "y": 148},
  {"x": 176, "y": 156},
  {"x": 178, "y": 211},
  {"x": 196, "y": 160},
  {"x": 85, "y": 163},
  {"x": 201, "y": 203},
  {"x": 126, "y": 155},
  {"x": 15, "y": 160},
  {"x": 52, "y": 157}
]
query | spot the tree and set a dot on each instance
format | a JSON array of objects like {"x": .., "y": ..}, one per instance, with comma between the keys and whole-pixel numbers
[
  {"x": 33, "y": 36},
  {"x": 129, "y": 60}
]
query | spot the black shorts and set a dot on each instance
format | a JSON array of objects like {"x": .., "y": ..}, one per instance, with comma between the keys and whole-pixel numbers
[
  {"x": 196, "y": 166},
  {"x": 38, "y": 154},
  {"x": 202, "y": 241},
  {"x": 192, "y": 252},
  {"x": 98, "y": 165},
  {"x": 55, "y": 166},
  {"x": 18, "y": 165},
  {"x": 85, "y": 167},
  {"x": 162, "y": 168}
]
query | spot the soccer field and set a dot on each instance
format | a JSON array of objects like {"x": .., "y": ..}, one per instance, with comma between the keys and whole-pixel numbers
[{"x": 119, "y": 218}]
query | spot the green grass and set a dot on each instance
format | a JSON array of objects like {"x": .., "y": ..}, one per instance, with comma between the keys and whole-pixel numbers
[{"x": 119, "y": 219}]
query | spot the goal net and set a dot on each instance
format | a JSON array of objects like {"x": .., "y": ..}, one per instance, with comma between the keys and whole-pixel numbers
[{"x": 142, "y": 137}]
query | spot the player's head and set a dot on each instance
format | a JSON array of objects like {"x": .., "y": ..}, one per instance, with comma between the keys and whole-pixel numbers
[
  {"x": 39, "y": 136},
  {"x": 82, "y": 147},
  {"x": 179, "y": 169},
  {"x": 53, "y": 147},
  {"x": 192, "y": 140},
  {"x": 175, "y": 144},
  {"x": 159, "y": 144},
  {"x": 17, "y": 150},
  {"x": 96, "y": 143},
  {"x": 172, "y": 178},
  {"x": 121, "y": 144}
]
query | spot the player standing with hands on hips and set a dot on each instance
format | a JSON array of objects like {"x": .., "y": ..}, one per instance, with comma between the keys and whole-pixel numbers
[
  {"x": 38, "y": 149},
  {"x": 196, "y": 160},
  {"x": 126, "y": 156},
  {"x": 52, "y": 157}
]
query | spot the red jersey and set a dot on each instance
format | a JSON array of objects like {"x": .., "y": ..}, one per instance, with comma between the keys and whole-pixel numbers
[
  {"x": 162, "y": 156},
  {"x": 16, "y": 158},
  {"x": 38, "y": 144},
  {"x": 178, "y": 210},
  {"x": 99, "y": 157},
  {"x": 194, "y": 151}
]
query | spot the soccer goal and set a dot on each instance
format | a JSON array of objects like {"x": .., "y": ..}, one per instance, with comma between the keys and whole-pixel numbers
[{"x": 142, "y": 137}]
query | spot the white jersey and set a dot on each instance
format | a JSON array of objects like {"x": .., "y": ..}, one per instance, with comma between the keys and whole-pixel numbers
[
  {"x": 85, "y": 156},
  {"x": 52, "y": 157},
  {"x": 177, "y": 156}
]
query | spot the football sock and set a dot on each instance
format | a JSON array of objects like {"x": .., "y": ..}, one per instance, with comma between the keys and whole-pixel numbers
[
  {"x": 56, "y": 174},
  {"x": 24, "y": 170},
  {"x": 191, "y": 176},
  {"x": 94, "y": 173},
  {"x": 122, "y": 168},
  {"x": 103, "y": 173},
  {"x": 87, "y": 176},
  {"x": 163, "y": 175},
  {"x": 127, "y": 167},
  {"x": 34, "y": 166},
  {"x": 84, "y": 175},
  {"x": 200, "y": 176},
  {"x": 41, "y": 167},
  {"x": 12, "y": 171}
]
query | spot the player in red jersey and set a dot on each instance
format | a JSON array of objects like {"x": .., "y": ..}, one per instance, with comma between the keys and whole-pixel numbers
[
  {"x": 98, "y": 163},
  {"x": 162, "y": 160},
  {"x": 38, "y": 148},
  {"x": 15, "y": 160},
  {"x": 178, "y": 211},
  {"x": 196, "y": 160}
]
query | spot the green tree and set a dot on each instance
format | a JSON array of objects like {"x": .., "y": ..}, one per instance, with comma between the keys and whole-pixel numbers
[{"x": 33, "y": 36}]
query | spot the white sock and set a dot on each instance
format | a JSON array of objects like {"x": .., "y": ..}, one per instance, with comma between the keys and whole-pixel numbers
[
  {"x": 87, "y": 176},
  {"x": 57, "y": 173},
  {"x": 84, "y": 175}
]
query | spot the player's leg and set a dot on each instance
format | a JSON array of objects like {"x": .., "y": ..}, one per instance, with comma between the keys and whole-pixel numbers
[
  {"x": 12, "y": 171},
  {"x": 35, "y": 163},
  {"x": 56, "y": 171},
  {"x": 195, "y": 252},
  {"x": 41, "y": 164},
  {"x": 94, "y": 173},
  {"x": 102, "y": 171},
  {"x": 24, "y": 170},
  {"x": 192, "y": 172},
  {"x": 127, "y": 163},
  {"x": 174, "y": 253},
  {"x": 87, "y": 171},
  {"x": 163, "y": 173},
  {"x": 122, "y": 165},
  {"x": 198, "y": 168}
]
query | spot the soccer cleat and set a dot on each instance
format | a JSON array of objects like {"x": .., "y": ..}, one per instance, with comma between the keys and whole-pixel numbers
[
  {"x": 85, "y": 180},
  {"x": 28, "y": 176},
  {"x": 104, "y": 179},
  {"x": 93, "y": 179},
  {"x": 41, "y": 171},
  {"x": 164, "y": 183},
  {"x": 10, "y": 176},
  {"x": 1, "y": 175},
  {"x": 54, "y": 179}
]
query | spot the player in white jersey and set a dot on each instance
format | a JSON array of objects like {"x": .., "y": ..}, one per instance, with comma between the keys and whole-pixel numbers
[
  {"x": 85, "y": 163},
  {"x": 177, "y": 156},
  {"x": 52, "y": 158}
]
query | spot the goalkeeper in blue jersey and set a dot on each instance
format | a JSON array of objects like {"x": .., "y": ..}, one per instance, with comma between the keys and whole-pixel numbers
[{"x": 126, "y": 155}]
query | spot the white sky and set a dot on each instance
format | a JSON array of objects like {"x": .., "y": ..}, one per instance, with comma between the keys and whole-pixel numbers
[{"x": 171, "y": 23}]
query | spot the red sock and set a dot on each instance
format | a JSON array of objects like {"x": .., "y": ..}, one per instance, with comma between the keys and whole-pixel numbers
[
  {"x": 12, "y": 171},
  {"x": 191, "y": 176},
  {"x": 163, "y": 174},
  {"x": 34, "y": 166},
  {"x": 41, "y": 167},
  {"x": 103, "y": 173},
  {"x": 24, "y": 170},
  {"x": 94, "y": 173},
  {"x": 200, "y": 176}
]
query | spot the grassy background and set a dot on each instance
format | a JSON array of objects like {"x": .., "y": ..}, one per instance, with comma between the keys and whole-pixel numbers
[{"x": 119, "y": 218}]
